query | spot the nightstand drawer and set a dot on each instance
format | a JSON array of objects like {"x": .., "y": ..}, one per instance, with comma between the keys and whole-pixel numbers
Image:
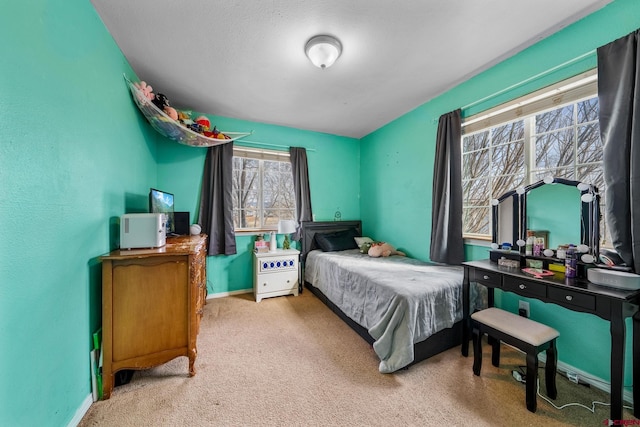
[
  {"x": 576, "y": 299},
  {"x": 524, "y": 287},
  {"x": 278, "y": 264},
  {"x": 275, "y": 282},
  {"x": 487, "y": 278}
]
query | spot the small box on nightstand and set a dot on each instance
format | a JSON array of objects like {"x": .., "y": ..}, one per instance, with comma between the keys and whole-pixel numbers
[{"x": 275, "y": 273}]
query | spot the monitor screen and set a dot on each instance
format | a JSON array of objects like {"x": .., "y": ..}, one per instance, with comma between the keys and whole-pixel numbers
[{"x": 162, "y": 202}]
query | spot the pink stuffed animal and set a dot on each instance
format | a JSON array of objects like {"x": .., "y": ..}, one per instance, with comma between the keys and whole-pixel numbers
[
  {"x": 171, "y": 112},
  {"x": 146, "y": 90},
  {"x": 383, "y": 249}
]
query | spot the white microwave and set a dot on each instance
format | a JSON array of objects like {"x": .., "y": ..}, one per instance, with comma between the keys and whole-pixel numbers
[{"x": 142, "y": 230}]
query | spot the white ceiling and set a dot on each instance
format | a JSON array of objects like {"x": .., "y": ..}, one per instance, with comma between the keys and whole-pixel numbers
[{"x": 245, "y": 58}]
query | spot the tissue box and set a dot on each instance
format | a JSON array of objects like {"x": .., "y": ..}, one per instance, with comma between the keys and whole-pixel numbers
[{"x": 495, "y": 255}]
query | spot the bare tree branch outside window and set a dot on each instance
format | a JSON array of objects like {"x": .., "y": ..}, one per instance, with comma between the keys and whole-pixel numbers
[{"x": 262, "y": 193}]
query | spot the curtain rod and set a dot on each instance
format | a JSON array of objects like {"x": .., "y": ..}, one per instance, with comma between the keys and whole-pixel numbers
[
  {"x": 530, "y": 79},
  {"x": 268, "y": 144}
]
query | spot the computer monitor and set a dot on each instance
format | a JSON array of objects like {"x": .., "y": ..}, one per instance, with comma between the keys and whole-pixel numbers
[{"x": 162, "y": 202}]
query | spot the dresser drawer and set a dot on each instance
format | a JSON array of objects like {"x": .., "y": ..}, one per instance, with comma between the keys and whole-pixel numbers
[
  {"x": 524, "y": 287},
  {"x": 575, "y": 299},
  {"x": 487, "y": 278}
]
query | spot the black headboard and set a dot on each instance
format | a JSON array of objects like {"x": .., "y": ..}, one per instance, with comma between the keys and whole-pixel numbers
[{"x": 310, "y": 228}]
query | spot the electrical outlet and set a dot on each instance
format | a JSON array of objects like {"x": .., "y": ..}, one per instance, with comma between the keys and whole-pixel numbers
[
  {"x": 523, "y": 309},
  {"x": 573, "y": 377}
]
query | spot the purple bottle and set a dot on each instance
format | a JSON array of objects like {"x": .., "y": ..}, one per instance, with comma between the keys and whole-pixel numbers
[{"x": 571, "y": 262}]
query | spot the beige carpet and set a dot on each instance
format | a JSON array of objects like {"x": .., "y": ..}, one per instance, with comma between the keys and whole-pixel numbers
[{"x": 289, "y": 361}]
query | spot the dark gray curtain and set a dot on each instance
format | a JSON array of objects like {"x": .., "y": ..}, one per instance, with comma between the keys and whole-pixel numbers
[
  {"x": 447, "y": 245},
  {"x": 619, "y": 99},
  {"x": 301, "y": 188},
  {"x": 216, "y": 203}
]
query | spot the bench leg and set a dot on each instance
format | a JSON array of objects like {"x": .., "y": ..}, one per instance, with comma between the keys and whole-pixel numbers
[
  {"x": 531, "y": 382},
  {"x": 495, "y": 352},
  {"x": 477, "y": 351},
  {"x": 550, "y": 370}
]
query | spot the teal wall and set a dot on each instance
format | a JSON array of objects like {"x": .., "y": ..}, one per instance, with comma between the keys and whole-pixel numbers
[
  {"x": 402, "y": 154},
  {"x": 74, "y": 155}
]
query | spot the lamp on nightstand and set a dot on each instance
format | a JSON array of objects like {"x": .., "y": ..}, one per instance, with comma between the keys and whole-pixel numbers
[{"x": 286, "y": 227}]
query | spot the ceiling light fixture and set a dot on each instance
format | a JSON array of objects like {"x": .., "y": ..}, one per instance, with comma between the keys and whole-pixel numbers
[{"x": 323, "y": 50}]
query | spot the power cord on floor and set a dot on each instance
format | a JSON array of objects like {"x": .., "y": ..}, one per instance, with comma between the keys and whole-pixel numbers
[
  {"x": 566, "y": 405},
  {"x": 521, "y": 377}
]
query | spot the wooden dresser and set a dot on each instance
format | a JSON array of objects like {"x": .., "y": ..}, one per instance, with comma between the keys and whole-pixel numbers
[{"x": 152, "y": 303}]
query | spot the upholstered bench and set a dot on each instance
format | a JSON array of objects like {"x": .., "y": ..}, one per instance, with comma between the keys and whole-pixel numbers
[{"x": 525, "y": 334}]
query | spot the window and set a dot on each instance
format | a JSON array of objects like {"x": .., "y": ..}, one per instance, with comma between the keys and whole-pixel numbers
[
  {"x": 549, "y": 133},
  {"x": 262, "y": 189}
]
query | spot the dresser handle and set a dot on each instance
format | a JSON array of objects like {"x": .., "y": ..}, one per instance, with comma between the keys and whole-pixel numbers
[
  {"x": 569, "y": 297},
  {"x": 522, "y": 286},
  {"x": 485, "y": 277},
  {"x": 264, "y": 284}
]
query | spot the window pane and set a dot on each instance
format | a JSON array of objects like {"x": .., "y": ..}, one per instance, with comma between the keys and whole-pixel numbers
[
  {"x": 475, "y": 142},
  {"x": 476, "y": 192},
  {"x": 262, "y": 192},
  {"x": 554, "y": 119},
  {"x": 476, "y": 220},
  {"x": 475, "y": 164},
  {"x": 270, "y": 218},
  {"x": 554, "y": 149},
  {"x": 589, "y": 144},
  {"x": 246, "y": 218},
  {"x": 588, "y": 110},
  {"x": 286, "y": 214},
  {"x": 277, "y": 190},
  {"x": 507, "y": 133},
  {"x": 507, "y": 159}
]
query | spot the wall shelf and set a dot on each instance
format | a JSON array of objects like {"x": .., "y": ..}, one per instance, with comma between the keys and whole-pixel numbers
[{"x": 172, "y": 129}]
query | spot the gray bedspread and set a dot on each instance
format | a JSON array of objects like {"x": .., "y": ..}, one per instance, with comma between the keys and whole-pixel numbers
[{"x": 399, "y": 300}]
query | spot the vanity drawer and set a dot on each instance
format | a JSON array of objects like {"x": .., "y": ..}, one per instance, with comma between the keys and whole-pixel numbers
[
  {"x": 487, "y": 278},
  {"x": 576, "y": 299},
  {"x": 524, "y": 287}
]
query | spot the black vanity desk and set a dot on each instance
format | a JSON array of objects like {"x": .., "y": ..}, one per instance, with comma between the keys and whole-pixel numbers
[{"x": 610, "y": 304}]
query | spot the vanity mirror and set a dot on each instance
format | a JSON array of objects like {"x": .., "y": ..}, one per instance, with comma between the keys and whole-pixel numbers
[{"x": 567, "y": 210}]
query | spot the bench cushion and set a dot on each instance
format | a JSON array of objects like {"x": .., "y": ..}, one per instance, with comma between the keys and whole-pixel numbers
[{"x": 519, "y": 327}]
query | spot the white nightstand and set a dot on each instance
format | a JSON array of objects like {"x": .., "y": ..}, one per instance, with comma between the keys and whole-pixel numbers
[{"x": 275, "y": 273}]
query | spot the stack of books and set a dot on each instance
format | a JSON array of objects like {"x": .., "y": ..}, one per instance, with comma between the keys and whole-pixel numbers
[
  {"x": 261, "y": 246},
  {"x": 96, "y": 366}
]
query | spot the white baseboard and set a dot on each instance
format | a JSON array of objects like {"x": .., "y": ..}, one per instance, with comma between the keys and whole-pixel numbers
[
  {"x": 81, "y": 411},
  {"x": 227, "y": 294}
]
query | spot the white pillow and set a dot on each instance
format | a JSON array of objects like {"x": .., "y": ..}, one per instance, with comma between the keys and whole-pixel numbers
[{"x": 361, "y": 240}]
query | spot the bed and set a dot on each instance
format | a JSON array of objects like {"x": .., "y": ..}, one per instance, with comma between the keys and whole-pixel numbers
[{"x": 408, "y": 310}]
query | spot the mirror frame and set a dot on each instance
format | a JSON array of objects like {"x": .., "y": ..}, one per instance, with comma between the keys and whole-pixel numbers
[
  {"x": 515, "y": 223},
  {"x": 590, "y": 213}
]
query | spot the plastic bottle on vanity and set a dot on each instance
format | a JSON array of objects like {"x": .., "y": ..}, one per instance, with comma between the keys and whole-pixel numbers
[
  {"x": 528, "y": 247},
  {"x": 538, "y": 246},
  {"x": 571, "y": 262}
]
